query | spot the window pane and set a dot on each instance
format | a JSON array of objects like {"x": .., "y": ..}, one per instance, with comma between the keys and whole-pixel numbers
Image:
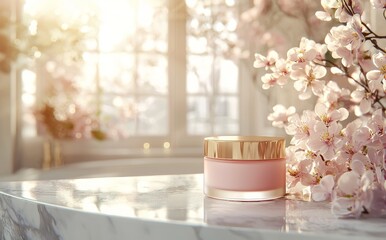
[
  {"x": 228, "y": 77},
  {"x": 212, "y": 73},
  {"x": 117, "y": 25},
  {"x": 198, "y": 122},
  {"x": 117, "y": 73},
  {"x": 152, "y": 74},
  {"x": 226, "y": 115},
  {"x": 153, "y": 116},
  {"x": 199, "y": 75},
  {"x": 118, "y": 114}
]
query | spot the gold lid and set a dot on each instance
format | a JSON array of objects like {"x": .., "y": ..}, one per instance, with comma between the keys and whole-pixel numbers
[{"x": 244, "y": 147}]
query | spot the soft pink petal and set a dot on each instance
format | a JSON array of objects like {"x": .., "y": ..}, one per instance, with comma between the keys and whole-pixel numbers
[
  {"x": 307, "y": 94},
  {"x": 349, "y": 182},
  {"x": 374, "y": 75},
  {"x": 310, "y": 54},
  {"x": 327, "y": 182},
  {"x": 344, "y": 114},
  {"x": 367, "y": 179},
  {"x": 317, "y": 87},
  {"x": 320, "y": 71},
  {"x": 358, "y": 167},
  {"x": 365, "y": 106},
  {"x": 328, "y": 152},
  {"x": 379, "y": 59},
  {"x": 346, "y": 207},
  {"x": 324, "y": 16},
  {"x": 319, "y": 194},
  {"x": 320, "y": 109},
  {"x": 299, "y": 85}
]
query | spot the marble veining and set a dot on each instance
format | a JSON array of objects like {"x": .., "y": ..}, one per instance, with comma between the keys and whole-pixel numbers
[{"x": 162, "y": 207}]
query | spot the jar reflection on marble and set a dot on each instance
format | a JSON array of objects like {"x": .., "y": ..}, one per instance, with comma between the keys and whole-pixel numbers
[
  {"x": 264, "y": 214},
  {"x": 244, "y": 168}
]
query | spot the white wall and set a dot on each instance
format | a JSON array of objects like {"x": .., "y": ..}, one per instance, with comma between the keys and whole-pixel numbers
[{"x": 6, "y": 125}]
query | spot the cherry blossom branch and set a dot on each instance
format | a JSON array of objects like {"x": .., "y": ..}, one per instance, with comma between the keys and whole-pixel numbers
[
  {"x": 375, "y": 44},
  {"x": 344, "y": 69},
  {"x": 373, "y": 38},
  {"x": 347, "y": 7},
  {"x": 378, "y": 100}
]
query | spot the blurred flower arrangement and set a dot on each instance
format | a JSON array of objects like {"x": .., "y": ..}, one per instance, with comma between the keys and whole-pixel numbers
[
  {"x": 263, "y": 27},
  {"x": 58, "y": 111},
  {"x": 337, "y": 151},
  {"x": 61, "y": 117}
]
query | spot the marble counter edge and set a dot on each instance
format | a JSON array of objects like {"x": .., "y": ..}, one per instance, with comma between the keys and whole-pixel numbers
[{"x": 32, "y": 219}]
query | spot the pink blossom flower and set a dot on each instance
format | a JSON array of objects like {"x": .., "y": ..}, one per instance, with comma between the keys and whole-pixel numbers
[
  {"x": 344, "y": 165},
  {"x": 282, "y": 68},
  {"x": 269, "y": 80},
  {"x": 268, "y": 61},
  {"x": 331, "y": 167},
  {"x": 377, "y": 205},
  {"x": 323, "y": 16},
  {"x": 327, "y": 5},
  {"x": 349, "y": 182},
  {"x": 379, "y": 74},
  {"x": 333, "y": 94},
  {"x": 302, "y": 54},
  {"x": 361, "y": 136},
  {"x": 364, "y": 100},
  {"x": 355, "y": 192},
  {"x": 280, "y": 115},
  {"x": 323, "y": 190},
  {"x": 325, "y": 141},
  {"x": 300, "y": 173},
  {"x": 343, "y": 15},
  {"x": 344, "y": 40},
  {"x": 307, "y": 80},
  {"x": 301, "y": 128},
  {"x": 327, "y": 116},
  {"x": 346, "y": 207},
  {"x": 377, "y": 123}
]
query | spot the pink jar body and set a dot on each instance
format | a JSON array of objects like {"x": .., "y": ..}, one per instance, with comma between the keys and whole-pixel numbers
[{"x": 244, "y": 180}]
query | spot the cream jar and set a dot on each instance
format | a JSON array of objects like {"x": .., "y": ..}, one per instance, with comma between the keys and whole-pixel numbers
[{"x": 244, "y": 168}]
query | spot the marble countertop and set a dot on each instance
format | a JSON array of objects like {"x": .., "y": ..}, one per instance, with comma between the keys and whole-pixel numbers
[{"x": 162, "y": 207}]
